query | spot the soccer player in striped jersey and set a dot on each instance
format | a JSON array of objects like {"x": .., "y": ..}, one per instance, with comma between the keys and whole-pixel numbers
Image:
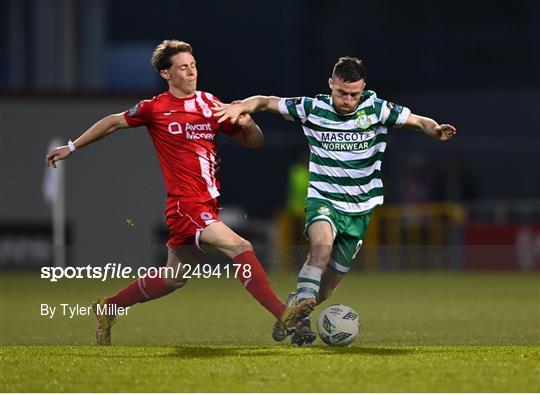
[
  {"x": 347, "y": 135},
  {"x": 183, "y": 129}
]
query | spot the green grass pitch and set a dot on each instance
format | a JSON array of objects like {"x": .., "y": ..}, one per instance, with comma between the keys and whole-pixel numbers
[{"x": 421, "y": 332}]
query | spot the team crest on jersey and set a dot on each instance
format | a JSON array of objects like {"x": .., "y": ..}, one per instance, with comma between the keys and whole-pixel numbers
[
  {"x": 362, "y": 120},
  {"x": 207, "y": 112},
  {"x": 133, "y": 110},
  {"x": 323, "y": 210},
  {"x": 206, "y": 216}
]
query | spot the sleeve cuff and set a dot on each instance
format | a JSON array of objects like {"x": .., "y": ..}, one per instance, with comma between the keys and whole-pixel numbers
[
  {"x": 282, "y": 106},
  {"x": 403, "y": 116},
  {"x": 128, "y": 119}
]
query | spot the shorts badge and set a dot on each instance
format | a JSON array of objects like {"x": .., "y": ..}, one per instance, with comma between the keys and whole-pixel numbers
[
  {"x": 323, "y": 210},
  {"x": 206, "y": 216}
]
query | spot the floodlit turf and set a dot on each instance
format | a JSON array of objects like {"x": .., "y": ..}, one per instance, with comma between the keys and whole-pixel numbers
[
  {"x": 271, "y": 368},
  {"x": 441, "y": 332}
]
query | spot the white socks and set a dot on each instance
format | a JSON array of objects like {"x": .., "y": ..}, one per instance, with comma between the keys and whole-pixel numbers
[{"x": 309, "y": 281}]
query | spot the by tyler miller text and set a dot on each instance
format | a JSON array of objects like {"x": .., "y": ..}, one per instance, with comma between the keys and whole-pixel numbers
[{"x": 77, "y": 310}]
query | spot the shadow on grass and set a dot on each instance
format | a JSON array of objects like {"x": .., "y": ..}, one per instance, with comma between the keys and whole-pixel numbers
[
  {"x": 362, "y": 350},
  {"x": 210, "y": 351},
  {"x": 202, "y": 352}
]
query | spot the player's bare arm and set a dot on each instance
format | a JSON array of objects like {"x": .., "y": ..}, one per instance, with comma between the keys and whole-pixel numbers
[
  {"x": 249, "y": 134},
  {"x": 247, "y": 106},
  {"x": 97, "y": 131},
  {"x": 430, "y": 127}
]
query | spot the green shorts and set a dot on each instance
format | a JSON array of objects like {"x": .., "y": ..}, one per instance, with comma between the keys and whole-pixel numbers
[{"x": 349, "y": 231}]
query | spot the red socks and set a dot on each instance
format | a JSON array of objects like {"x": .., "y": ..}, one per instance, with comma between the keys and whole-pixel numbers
[
  {"x": 257, "y": 284},
  {"x": 141, "y": 290},
  {"x": 144, "y": 288}
]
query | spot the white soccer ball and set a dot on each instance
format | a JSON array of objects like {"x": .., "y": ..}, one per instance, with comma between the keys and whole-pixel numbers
[{"x": 338, "y": 325}]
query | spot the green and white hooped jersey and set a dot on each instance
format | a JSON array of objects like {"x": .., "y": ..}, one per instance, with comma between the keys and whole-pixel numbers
[{"x": 346, "y": 150}]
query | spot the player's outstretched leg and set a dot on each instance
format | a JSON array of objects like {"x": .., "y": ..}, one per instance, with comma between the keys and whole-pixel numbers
[
  {"x": 105, "y": 322},
  {"x": 307, "y": 289},
  {"x": 301, "y": 305},
  {"x": 295, "y": 313},
  {"x": 251, "y": 273},
  {"x": 254, "y": 279},
  {"x": 303, "y": 333},
  {"x": 321, "y": 238},
  {"x": 279, "y": 332},
  {"x": 141, "y": 290}
]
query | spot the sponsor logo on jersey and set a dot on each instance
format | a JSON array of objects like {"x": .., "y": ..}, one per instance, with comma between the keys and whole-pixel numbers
[
  {"x": 362, "y": 120},
  {"x": 200, "y": 136},
  {"x": 346, "y": 136},
  {"x": 198, "y": 127},
  {"x": 346, "y": 146},
  {"x": 174, "y": 128},
  {"x": 194, "y": 131},
  {"x": 346, "y": 141}
]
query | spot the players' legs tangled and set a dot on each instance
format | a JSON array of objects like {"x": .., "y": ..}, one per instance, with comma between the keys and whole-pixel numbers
[
  {"x": 321, "y": 238},
  {"x": 303, "y": 334},
  {"x": 241, "y": 252},
  {"x": 311, "y": 280},
  {"x": 330, "y": 280},
  {"x": 254, "y": 280}
]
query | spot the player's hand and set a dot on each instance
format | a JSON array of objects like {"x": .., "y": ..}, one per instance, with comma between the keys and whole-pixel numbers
[
  {"x": 58, "y": 153},
  {"x": 244, "y": 120},
  {"x": 445, "y": 131},
  {"x": 229, "y": 111}
]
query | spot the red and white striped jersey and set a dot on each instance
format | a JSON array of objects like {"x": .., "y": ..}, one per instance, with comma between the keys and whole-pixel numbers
[{"x": 184, "y": 134}]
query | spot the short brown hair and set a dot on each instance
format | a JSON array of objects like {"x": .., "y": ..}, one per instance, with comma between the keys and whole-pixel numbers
[
  {"x": 161, "y": 58},
  {"x": 349, "y": 69}
]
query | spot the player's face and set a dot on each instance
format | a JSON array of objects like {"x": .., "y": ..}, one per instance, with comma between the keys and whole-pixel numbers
[
  {"x": 182, "y": 75},
  {"x": 345, "y": 95}
]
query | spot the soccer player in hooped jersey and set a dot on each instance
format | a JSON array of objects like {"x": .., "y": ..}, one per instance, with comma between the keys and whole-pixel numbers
[
  {"x": 347, "y": 133},
  {"x": 183, "y": 129}
]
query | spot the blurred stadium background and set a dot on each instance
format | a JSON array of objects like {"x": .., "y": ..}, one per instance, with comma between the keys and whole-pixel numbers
[
  {"x": 447, "y": 283},
  {"x": 473, "y": 203}
]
